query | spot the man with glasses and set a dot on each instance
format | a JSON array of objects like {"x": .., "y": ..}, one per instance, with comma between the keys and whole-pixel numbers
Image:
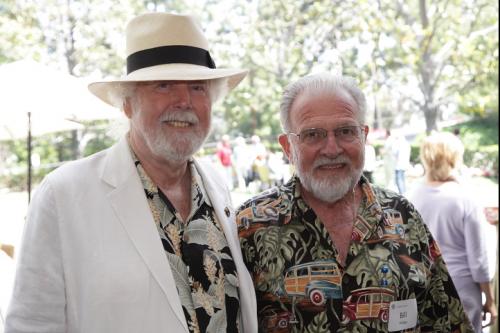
[{"x": 330, "y": 252}]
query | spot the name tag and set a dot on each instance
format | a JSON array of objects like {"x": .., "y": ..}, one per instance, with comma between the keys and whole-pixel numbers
[{"x": 402, "y": 315}]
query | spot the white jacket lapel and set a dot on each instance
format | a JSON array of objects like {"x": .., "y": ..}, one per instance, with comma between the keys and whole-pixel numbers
[
  {"x": 130, "y": 205},
  {"x": 221, "y": 202}
]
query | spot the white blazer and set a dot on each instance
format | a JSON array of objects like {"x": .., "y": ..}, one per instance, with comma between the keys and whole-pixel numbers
[{"x": 91, "y": 258}]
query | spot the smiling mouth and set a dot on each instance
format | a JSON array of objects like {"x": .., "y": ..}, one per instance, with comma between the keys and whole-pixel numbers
[
  {"x": 180, "y": 124},
  {"x": 331, "y": 166}
]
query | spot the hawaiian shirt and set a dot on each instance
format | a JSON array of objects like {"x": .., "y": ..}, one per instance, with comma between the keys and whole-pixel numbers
[
  {"x": 199, "y": 257},
  {"x": 302, "y": 287}
]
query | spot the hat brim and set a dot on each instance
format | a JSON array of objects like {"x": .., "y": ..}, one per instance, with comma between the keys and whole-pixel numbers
[{"x": 169, "y": 72}]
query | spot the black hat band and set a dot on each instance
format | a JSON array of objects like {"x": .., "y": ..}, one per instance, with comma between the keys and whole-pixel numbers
[{"x": 169, "y": 55}]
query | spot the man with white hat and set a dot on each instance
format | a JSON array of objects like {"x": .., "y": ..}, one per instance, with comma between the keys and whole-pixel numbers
[{"x": 140, "y": 237}]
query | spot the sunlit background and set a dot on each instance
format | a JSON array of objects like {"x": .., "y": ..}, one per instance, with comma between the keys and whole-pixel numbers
[{"x": 423, "y": 65}]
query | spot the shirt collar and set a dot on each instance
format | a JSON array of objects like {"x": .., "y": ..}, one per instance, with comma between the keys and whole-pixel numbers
[
  {"x": 198, "y": 192},
  {"x": 370, "y": 204}
]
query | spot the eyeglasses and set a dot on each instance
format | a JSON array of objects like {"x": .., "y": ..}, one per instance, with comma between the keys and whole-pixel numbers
[{"x": 344, "y": 134}]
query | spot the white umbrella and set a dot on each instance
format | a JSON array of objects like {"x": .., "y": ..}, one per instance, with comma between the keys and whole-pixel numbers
[
  {"x": 16, "y": 128},
  {"x": 37, "y": 99}
]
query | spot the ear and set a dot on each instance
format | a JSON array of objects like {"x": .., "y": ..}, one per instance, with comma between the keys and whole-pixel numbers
[
  {"x": 367, "y": 129},
  {"x": 127, "y": 108},
  {"x": 285, "y": 146}
]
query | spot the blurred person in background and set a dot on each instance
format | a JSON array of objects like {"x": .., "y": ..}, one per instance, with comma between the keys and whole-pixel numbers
[
  {"x": 277, "y": 167},
  {"x": 242, "y": 165},
  {"x": 458, "y": 224},
  {"x": 259, "y": 176},
  {"x": 401, "y": 151},
  {"x": 388, "y": 160},
  {"x": 224, "y": 154}
]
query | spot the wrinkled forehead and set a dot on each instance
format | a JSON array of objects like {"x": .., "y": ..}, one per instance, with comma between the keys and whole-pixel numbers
[
  {"x": 311, "y": 94},
  {"x": 339, "y": 102}
]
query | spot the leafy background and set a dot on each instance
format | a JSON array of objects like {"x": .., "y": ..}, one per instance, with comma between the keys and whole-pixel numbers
[{"x": 422, "y": 64}]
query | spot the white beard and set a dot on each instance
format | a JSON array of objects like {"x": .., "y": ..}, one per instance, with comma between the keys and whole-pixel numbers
[
  {"x": 329, "y": 189},
  {"x": 179, "y": 147}
]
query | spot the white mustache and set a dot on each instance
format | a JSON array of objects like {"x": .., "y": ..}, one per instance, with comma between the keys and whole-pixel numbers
[
  {"x": 320, "y": 161},
  {"x": 178, "y": 115}
]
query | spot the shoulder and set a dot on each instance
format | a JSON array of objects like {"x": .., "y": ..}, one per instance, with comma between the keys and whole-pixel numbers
[
  {"x": 271, "y": 207},
  {"x": 79, "y": 169},
  {"x": 214, "y": 183},
  {"x": 282, "y": 193},
  {"x": 65, "y": 183},
  {"x": 209, "y": 170},
  {"x": 386, "y": 196},
  {"x": 391, "y": 201}
]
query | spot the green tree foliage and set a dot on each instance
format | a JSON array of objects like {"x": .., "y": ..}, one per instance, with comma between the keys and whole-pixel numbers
[
  {"x": 413, "y": 59},
  {"x": 425, "y": 58},
  {"x": 407, "y": 56},
  {"x": 446, "y": 39},
  {"x": 21, "y": 36},
  {"x": 277, "y": 41},
  {"x": 86, "y": 36}
]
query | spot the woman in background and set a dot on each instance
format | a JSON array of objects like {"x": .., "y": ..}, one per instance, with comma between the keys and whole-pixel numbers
[{"x": 457, "y": 223}]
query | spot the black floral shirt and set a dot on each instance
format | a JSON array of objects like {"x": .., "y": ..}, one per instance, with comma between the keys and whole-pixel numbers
[
  {"x": 199, "y": 256},
  {"x": 302, "y": 287}
]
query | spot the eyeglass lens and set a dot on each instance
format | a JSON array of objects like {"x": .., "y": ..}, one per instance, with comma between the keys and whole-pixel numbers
[{"x": 316, "y": 135}]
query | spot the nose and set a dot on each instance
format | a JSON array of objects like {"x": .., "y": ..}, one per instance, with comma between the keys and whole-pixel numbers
[
  {"x": 331, "y": 147},
  {"x": 182, "y": 96}
]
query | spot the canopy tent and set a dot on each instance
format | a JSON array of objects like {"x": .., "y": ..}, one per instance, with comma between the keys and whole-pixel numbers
[
  {"x": 37, "y": 99},
  {"x": 16, "y": 128}
]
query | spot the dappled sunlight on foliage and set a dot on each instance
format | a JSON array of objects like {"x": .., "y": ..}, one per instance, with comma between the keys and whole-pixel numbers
[{"x": 418, "y": 62}]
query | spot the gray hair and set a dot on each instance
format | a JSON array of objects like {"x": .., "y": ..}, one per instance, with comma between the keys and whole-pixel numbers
[
  {"x": 318, "y": 83},
  {"x": 120, "y": 92},
  {"x": 217, "y": 88}
]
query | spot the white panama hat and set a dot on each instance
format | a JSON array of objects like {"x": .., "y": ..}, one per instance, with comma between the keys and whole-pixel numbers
[{"x": 163, "y": 46}]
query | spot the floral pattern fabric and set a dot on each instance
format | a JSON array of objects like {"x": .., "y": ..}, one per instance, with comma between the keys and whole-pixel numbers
[
  {"x": 199, "y": 257},
  {"x": 302, "y": 287}
]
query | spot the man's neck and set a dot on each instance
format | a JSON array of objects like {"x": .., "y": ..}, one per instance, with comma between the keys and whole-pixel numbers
[
  {"x": 172, "y": 177},
  {"x": 338, "y": 218}
]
